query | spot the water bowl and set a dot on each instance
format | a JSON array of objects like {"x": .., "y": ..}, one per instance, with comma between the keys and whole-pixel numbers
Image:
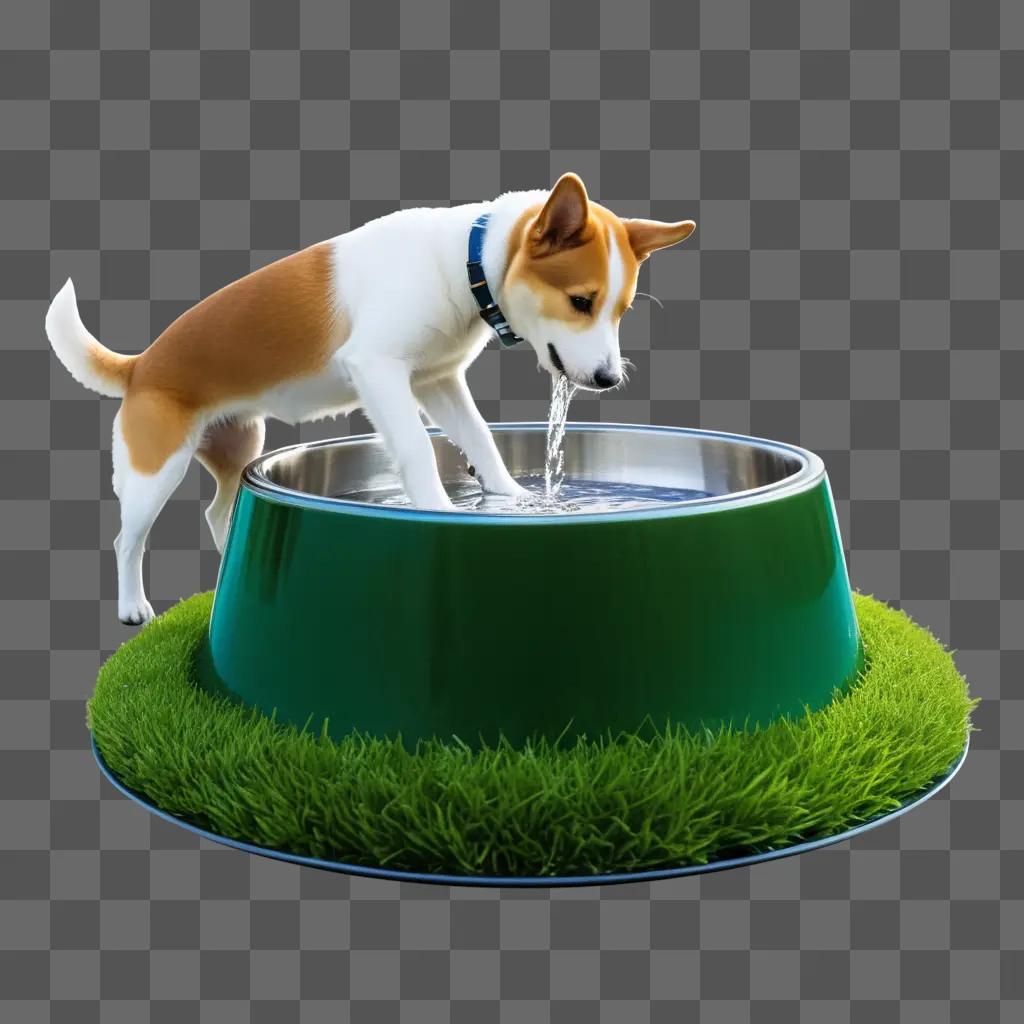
[{"x": 708, "y": 589}]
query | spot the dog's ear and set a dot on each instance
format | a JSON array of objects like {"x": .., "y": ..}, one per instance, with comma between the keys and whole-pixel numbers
[
  {"x": 564, "y": 215},
  {"x": 647, "y": 235}
]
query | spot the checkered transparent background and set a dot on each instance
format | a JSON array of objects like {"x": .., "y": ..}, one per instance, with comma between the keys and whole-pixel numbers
[{"x": 855, "y": 285}]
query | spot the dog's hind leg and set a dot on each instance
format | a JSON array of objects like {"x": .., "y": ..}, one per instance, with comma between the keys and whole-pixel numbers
[
  {"x": 224, "y": 451},
  {"x": 151, "y": 451}
]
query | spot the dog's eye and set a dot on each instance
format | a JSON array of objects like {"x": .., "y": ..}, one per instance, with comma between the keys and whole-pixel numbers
[{"x": 582, "y": 303}]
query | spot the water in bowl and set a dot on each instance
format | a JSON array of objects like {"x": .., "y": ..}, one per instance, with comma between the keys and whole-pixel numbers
[
  {"x": 575, "y": 495},
  {"x": 549, "y": 492}
]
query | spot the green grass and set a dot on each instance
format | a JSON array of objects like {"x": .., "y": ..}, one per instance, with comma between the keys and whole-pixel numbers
[{"x": 601, "y": 805}]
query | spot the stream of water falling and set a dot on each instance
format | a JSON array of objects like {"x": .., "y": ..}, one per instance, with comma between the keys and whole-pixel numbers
[{"x": 562, "y": 390}]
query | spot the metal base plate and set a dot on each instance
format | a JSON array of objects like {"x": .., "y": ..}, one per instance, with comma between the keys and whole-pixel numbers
[{"x": 537, "y": 882}]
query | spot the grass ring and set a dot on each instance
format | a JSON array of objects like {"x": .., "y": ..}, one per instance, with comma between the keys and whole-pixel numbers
[{"x": 606, "y": 805}]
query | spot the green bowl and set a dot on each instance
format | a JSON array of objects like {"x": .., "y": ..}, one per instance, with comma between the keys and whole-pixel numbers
[{"x": 732, "y": 609}]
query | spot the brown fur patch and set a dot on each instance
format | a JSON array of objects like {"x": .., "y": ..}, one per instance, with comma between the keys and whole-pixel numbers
[
  {"x": 155, "y": 425},
  {"x": 228, "y": 447},
  {"x": 645, "y": 236},
  {"x": 114, "y": 366},
  {"x": 273, "y": 325},
  {"x": 581, "y": 268}
]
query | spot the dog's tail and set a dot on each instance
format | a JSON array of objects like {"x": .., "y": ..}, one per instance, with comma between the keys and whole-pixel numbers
[{"x": 89, "y": 362}]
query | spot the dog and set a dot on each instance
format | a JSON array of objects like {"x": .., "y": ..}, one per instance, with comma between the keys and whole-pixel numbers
[{"x": 387, "y": 318}]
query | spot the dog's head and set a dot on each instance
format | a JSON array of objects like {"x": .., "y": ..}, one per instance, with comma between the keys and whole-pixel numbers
[{"x": 571, "y": 274}]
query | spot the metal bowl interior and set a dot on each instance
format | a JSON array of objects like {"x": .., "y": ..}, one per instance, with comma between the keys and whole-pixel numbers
[{"x": 723, "y": 466}]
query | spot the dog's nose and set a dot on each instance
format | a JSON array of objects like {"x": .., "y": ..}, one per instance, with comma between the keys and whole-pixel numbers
[{"x": 605, "y": 379}]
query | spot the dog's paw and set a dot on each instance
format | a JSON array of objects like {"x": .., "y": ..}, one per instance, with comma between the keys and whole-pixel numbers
[
  {"x": 438, "y": 506},
  {"x": 435, "y": 502},
  {"x": 135, "y": 613},
  {"x": 509, "y": 488}
]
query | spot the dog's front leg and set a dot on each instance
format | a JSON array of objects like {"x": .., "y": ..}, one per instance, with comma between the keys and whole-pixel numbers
[
  {"x": 385, "y": 393},
  {"x": 450, "y": 405}
]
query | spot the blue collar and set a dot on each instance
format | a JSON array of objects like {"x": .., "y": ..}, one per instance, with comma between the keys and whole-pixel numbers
[{"x": 489, "y": 309}]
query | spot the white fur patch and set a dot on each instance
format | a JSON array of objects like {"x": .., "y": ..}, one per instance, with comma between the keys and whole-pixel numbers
[{"x": 616, "y": 276}]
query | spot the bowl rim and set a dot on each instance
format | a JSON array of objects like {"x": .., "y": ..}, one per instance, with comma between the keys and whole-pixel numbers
[{"x": 809, "y": 474}]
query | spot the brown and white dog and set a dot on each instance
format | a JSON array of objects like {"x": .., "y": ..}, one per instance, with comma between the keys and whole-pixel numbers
[{"x": 380, "y": 318}]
